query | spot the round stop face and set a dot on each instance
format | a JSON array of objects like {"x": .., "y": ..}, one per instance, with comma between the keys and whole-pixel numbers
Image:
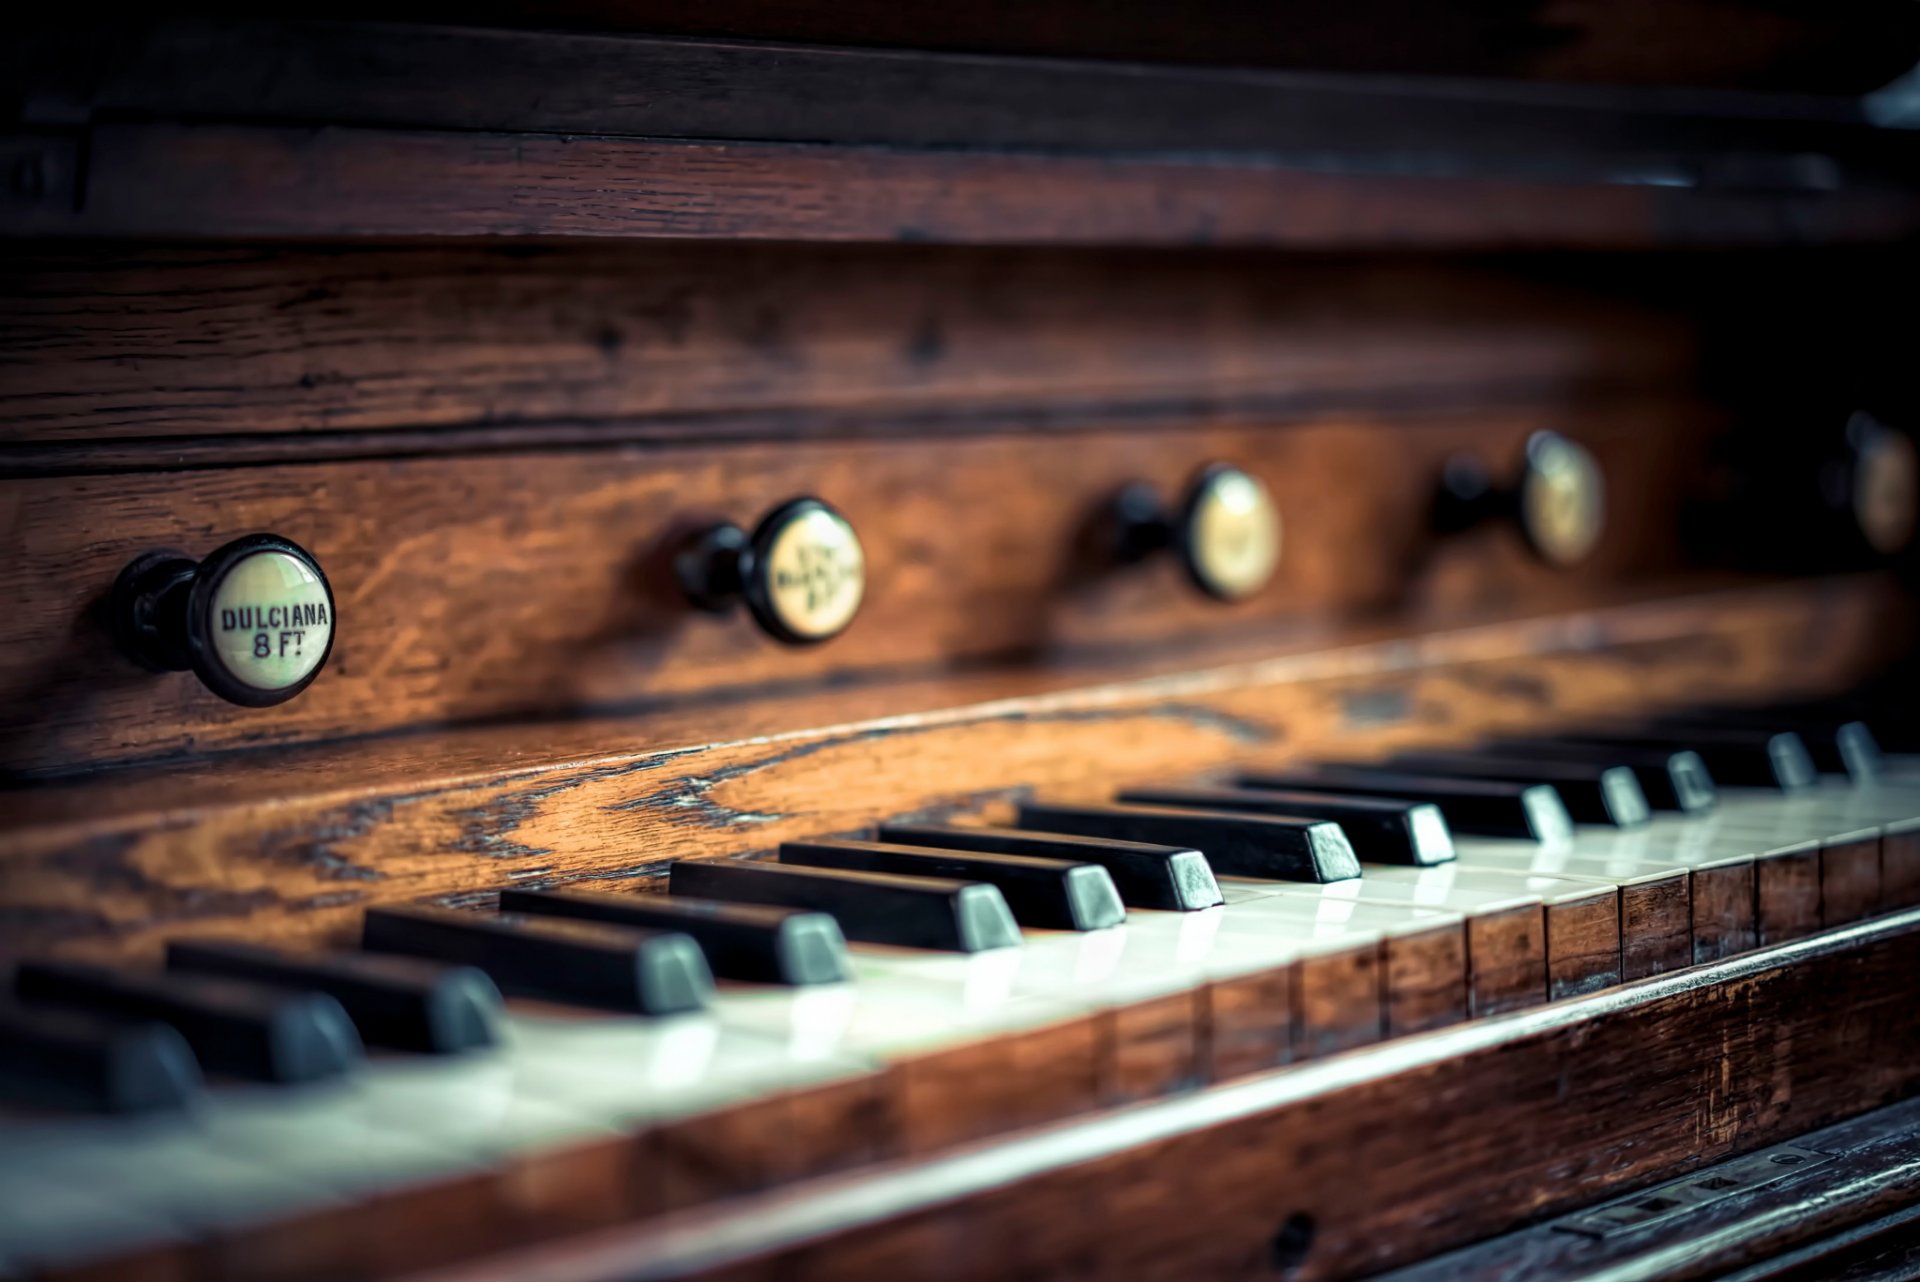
[
  {"x": 270, "y": 620},
  {"x": 1562, "y": 499},
  {"x": 812, "y": 572},
  {"x": 1886, "y": 489},
  {"x": 1232, "y": 536}
]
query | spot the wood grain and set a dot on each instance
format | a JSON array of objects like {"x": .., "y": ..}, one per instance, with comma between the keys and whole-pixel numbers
[
  {"x": 1337, "y": 1001},
  {"x": 214, "y": 181},
  {"x": 612, "y": 342},
  {"x": 1723, "y": 911},
  {"x": 1823, "y": 47},
  {"x": 1787, "y": 892},
  {"x": 1850, "y": 876},
  {"x": 1543, "y": 1112},
  {"x": 1900, "y": 863},
  {"x": 1584, "y": 952},
  {"x": 1249, "y": 1023},
  {"x": 1506, "y": 960},
  {"x": 540, "y": 585},
  {"x": 294, "y": 845},
  {"x": 1656, "y": 926},
  {"x": 1424, "y": 980}
]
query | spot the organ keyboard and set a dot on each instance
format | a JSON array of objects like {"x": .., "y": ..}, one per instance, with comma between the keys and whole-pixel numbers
[
  {"x": 1087, "y": 642},
  {"x": 1086, "y": 1003}
]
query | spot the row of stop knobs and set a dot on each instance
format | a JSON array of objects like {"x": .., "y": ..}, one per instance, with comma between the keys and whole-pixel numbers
[{"x": 255, "y": 619}]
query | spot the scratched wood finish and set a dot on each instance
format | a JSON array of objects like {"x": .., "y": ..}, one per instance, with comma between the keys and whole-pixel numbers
[
  {"x": 537, "y": 584},
  {"x": 1803, "y": 45},
  {"x": 1820, "y": 47},
  {"x": 295, "y": 844},
  {"x": 1460, "y": 1135},
  {"x": 604, "y": 342},
  {"x": 555, "y": 82},
  {"x": 1723, "y": 910},
  {"x": 214, "y": 181}
]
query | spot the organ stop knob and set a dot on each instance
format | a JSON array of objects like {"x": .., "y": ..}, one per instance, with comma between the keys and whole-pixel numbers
[
  {"x": 802, "y": 572},
  {"x": 1226, "y": 531},
  {"x": 1558, "y": 500},
  {"x": 254, "y": 620}
]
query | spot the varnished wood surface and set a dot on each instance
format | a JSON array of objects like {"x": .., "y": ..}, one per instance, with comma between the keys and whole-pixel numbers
[
  {"x": 555, "y": 82},
  {"x": 163, "y": 180},
  {"x": 1460, "y": 1134},
  {"x": 1820, "y": 46},
  {"x": 539, "y": 584},
  {"x": 1860, "y": 1184},
  {"x": 294, "y": 845},
  {"x": 603, "y": 343}
]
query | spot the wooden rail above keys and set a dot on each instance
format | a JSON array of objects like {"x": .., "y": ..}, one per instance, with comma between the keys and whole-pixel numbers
[{"x": 295, "y": 844}]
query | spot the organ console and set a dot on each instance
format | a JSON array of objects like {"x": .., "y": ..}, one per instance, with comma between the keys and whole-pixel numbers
[{"x": 1521, "y": 878}]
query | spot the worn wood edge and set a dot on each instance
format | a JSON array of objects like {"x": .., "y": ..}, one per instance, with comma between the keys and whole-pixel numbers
[
  {"x": 117, "y": 865},
  {"x": 226, "y": 181},
  {"x": 1807, "y": 1214},
  {"x": 712, "y": 1239},
  {"x": 90, "y": 800},
  {"x": 573, "y": 82}
]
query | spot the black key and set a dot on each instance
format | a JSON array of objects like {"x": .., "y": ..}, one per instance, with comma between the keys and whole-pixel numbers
[
  {"x": 1240, "y": 845},
  {"x": 741, "y": 941},
  {"x": 1381, "y": 830},
  {"x": 654, "y": 972},
  {"x": 1607, "y": 794},
  {"x": 1668, "y": 780},
  {"x": 401, "y": 1002},
  {"x": 58, "y": 1057},
  {"x": 1836, "y": 745},
  {"x": 234, "y": 1026},
  {"x": 1146, "y": 875},
  {"x": 878, "y": 908},
  {"x": 1737, "y": 758},
  {"x": 1486, "y": 807},
  {"x": 1053, "y": 894}
]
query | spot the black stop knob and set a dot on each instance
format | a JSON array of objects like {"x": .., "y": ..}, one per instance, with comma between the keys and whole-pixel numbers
[
  {"x": 1557, "y": 499},
  {"x": 253, "y": 620},
  {"x": 1226, "y": 530},
  {"x": 802, "y": 572}
]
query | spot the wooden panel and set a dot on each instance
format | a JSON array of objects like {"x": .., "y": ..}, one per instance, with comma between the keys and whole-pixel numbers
[
  {"x": 609, "y": 342},
  {"x": 1900, "y": 864},
  {"x": 1787, "y": 893},
  {"x": 1336, "y": 1002},
  {"x": 490, "y": 587},
  {"x": 1656, "y": 926},
  {"x": 1723, "y": 907},
  {"x": 1824, "y": 46},
  {"x": 1249, "y": 1022},
  {"x": 1850, "y": 877},
  {"x": 1425, "y": 980},
  {"x": 1584, "y": 951},
  {"x": 162, "y": 181},
  {"x": 1543, "y": 1113},
  {"x": 553, "y": 82},
  {"x": 295, "y": 844},
  {"x": 1506, "y": 961}
]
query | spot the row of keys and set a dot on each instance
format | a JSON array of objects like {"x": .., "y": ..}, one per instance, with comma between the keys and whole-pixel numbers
[
  {"x": 1280, "y": 968},
  {"x": 255, "y": 619},
  {"x": 431, "y": 979}
]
